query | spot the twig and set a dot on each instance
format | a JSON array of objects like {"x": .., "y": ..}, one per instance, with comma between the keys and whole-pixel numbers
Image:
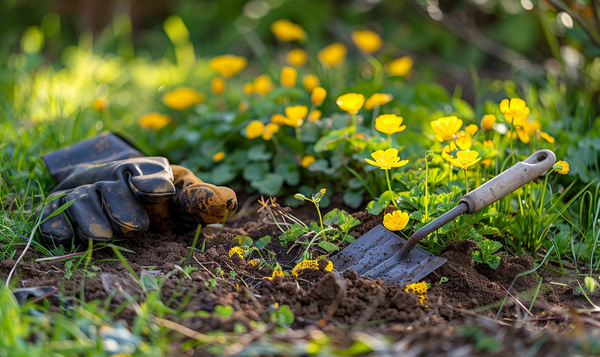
[
  {"x": 46, "y": 295},
  {"x": 517, "y": 300},
  {"x": 187, "y": 332}
]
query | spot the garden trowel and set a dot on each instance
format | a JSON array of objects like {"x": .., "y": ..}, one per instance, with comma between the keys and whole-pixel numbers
[{"x": 383, "y": 254}]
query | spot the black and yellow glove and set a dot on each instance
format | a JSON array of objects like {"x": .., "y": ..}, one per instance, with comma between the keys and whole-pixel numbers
[{"x": 126, "y": 197}]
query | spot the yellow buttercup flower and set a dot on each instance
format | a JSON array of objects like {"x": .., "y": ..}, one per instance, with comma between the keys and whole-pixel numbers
[
  {"x": 154, "y": 121},
  {"x": 263, "y": 84},
  {"x": 314, "y": 115},
  {"x": 351, "y": 102},
  {"x": 400, "y": 66},
  {"x": 562, "y": 167},
  {"x": 318, "y": 96},
  {"x": 219, "y": 157},
  {"x": 100, "y": 105},
  {"x": 395, "y": 221},
  {"x": 276, "y": 273},
  {"x": 248, "y": 88},
  {"x": 488, "y": 121},
  {"x": 418, "y": 288},
  {"x": 514, "y": 110},
  {"x": 471, "y": 129},
  {"x": 333, "y": 55},
  {"x": 465, "y": 159},
  {"x": 385, "y": 160},
  {"x": 182, "y": 98},
  {"x": 378, "y": 99},
  {"x": 463, "y": 140},
  {"x": 546, "y": 137},
  {"x": 367, "y": 41},
  {"x": 296, "y": 57},
  {"x": 243, "y": 106},
  {"x": 310, "y": 264},
  {"x": 310, "y": 82},
  {"x": 270, "y": 130},
  {"x": 287, "y": 31},
  {"x": 227, "y": 65},
  {"x": 307, "y": 160},
  {"x": 447, "y": 151},
  {"x": 237, "y": 250},
  {"x": 389, "y": 123},
  {"x": 295, "y": 115},
  {"x": 446, "y": 127},
  {"x": 278, "y": 119},
  {"x": 217, "y": 85},
  {"x": 288, "y": 76},
  {"x": 254, "y": 129}
]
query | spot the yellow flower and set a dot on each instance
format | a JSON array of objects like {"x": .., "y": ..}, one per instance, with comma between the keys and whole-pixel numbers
[
  {"x": 385, "y": 160},
  {"x": 367, "y": 41},
  {"x": 389, "y": 123},
  {"x": 101, "y": 105},
  {"x": 263, "y": 84},
  {"x": 287, "y": 31},
  {"x": 276, "y": 273},
  {"x": 154, "y": 120},
  {"x": 471, "y": 129},
  {"x": 227, "y": 65},
  {"x": 318, "y": 96},
  {"x": 488, "y": 121},
  {"x": 288, "y": 76},
  {"x": 254, "y": 262},
  {"x": 310, "y": 82},
  {"x": 254, "y": 129},
  {"x": 270, "y": 130},
  {"x": 248, "y": 88},
  {"x": 332, "y": 55},
  {"x": 400, "y": 66},
  {"x": 219, "y": 157},
  {"x": 446, "y": 127},
  {"x": 295, "y": 115},
  {"x": 463, "y": 140},
  {"x": 447, "y": 151},
  {"x": 378, "y": 99},
  {"x": 562, "y": 167},
  {"x": 417, "y": 288},
  {"x": 217, "y": 85},
  {"x": 395, "y": 221},
  {"x": 310, "y": 264},
  {"x": 314, "y": 115},
  {"x": 351, "y": 102},
  {"x": 278, "y": 119},
  {"x": 237, "y": 250},
  {"x": 546, "y": 137},
  {"x": 514, "y": 110},
  {"x": 307, "y": 160},
  {"x": 243, "y": 106},
  {"x": 182, "y": 98},
  {"x": 465, "y": 159},
  {"x": 296, "y": 57}
]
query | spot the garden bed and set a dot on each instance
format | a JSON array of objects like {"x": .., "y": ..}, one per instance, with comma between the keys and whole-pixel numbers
[{"x": 457, "y": 313}]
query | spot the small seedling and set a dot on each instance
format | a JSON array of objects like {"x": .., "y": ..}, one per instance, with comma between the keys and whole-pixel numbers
[
  {"x": 486, "y": 255},
  {"x": 444, "y": 280}
]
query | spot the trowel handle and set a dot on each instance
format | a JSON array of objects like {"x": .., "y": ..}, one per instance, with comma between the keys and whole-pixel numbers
[{"x": 518, "y": 175}]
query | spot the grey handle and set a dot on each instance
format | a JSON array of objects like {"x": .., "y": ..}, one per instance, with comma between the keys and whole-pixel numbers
[{"x": 518, "y": 175}]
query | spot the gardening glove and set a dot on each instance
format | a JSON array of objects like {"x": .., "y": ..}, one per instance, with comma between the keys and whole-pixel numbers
[{"x": 126, "y": 197}]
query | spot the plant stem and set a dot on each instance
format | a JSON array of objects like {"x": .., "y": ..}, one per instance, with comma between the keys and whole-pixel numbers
[
  {"x": 198, "y": 229},
  {"x": 305, "y": 255},
  {"x": 354, "y": 120},
  {"x": 466, "y": 180},
  {"x": 511, "y": 143},
  {"x": 387, "y": 176},
  {"x": 543, "y": 197},
  {"x": 390, "y": 139},
  {"x": 298, "y": 137},
  {"x": 426, "y": 188},
  {"x": 378, "y": 75},
  {"x": 318, "y": 211}
]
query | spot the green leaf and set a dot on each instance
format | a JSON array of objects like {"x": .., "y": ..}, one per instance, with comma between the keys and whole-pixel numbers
[
  {"x": 353, "y": 199},
  {"x": 285, "y": 315},
  {"x": 332, "y": 217},
  {"x": 148, "y": 282},
  {"x": 225, "y": 311},
  {"x": 354, "y": 183},
  {"x": 374, "y": 207},
  {"x": 262, "y": 242},
  {"x": 290, "y": 173},
  {"x": 259, "y": 153},
  {"x": 329, "y": 247},
  {"x": 300, "y": 197},
  {"x": 59, "y": 210},
  {"x": 242, "y": 241},
  {"x": 315, "y": 226},
  {"x": 222, "y": 174},
  {"x": 270, "y": 185},
  {"x": 256, "y": 171}
]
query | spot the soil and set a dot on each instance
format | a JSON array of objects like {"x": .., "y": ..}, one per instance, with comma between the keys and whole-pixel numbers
[{"x": 333, "y": 303}]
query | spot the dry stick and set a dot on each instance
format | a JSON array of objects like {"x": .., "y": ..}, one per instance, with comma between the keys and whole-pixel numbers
[
  {"x": 46, "y": 295},
  {"x": 517, "y": 300},
  {"x": 12, "y": 271},
  {"x": 188, "y": 332}
]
